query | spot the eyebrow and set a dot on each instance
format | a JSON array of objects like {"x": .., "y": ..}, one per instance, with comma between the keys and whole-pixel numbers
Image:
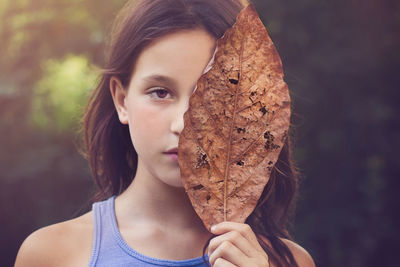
[{"x": 157, "y": 78}]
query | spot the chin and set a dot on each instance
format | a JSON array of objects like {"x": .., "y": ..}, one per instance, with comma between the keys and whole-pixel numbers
[
  {"x": 177, "y": 184},
  {"x": 173, "y": 182},
  {"x": 173, "y": 179}
]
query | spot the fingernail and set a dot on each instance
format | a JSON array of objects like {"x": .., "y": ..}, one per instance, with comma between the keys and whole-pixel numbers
[{"x": 213, "y": 228}]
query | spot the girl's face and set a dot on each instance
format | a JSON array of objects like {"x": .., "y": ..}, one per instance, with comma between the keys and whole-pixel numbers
[{"x": 163, "y": 79}]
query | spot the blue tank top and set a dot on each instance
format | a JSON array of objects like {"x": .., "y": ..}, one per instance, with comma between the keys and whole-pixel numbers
[{"x": 109, "y": 248}]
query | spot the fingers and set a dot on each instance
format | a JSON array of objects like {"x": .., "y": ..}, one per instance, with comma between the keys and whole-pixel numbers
[
  {"x": 228, "y": 252},
  {"x": 236, "y": 244},
  {"x": 220, "y": 262},
  {"x": 234, "y": 238},
  {"x": 244, "y": 229}
]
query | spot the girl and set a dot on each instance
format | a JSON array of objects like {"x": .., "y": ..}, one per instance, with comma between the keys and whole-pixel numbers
[{"x": 143, "y": 217}]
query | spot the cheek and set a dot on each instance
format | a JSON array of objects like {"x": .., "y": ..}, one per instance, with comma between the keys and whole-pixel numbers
[{"x": 146, "y": 125}]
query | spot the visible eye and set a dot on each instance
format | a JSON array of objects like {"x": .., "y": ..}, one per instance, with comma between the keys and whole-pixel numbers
[{"x": 159, "y": 93}]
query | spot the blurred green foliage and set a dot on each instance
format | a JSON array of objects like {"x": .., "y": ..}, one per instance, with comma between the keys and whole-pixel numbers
[
  {"x": 340, "y": 59},
  {"x": 61, "y": 94}
]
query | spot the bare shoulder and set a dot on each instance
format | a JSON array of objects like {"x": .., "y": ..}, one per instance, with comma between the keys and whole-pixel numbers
[
  {"x": 302, "y": 257},
  {"x": 67, "y": 243}
]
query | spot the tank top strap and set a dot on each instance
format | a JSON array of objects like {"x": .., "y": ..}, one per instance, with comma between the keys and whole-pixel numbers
[{"x": 102, "y": 220}]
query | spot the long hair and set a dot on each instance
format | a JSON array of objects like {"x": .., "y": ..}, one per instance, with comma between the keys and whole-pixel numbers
[{"x": 108, "y": 146}]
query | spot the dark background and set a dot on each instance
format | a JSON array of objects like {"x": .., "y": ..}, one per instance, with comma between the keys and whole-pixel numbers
[{"x": 341, "y": 61}]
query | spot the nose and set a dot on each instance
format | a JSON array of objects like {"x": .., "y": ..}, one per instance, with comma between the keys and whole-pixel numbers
[{"x": 177, "y": 123}]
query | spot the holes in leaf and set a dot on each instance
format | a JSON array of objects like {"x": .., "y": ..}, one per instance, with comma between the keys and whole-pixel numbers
[
  {"x": 198, "y": 187},
  {"x": 263, "y": 110},
  {"x": 268, "y": 136},
  {"x": 201, "y": 160},
  {"x": 233, "y": 81},
  {"x": 253, "y": 95},
  {"x": 269, "y": 144},
  {"x": 241, "y": 130}
]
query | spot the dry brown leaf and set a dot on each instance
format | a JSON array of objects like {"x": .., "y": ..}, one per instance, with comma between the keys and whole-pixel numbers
[{"x": 236, "y": 124}]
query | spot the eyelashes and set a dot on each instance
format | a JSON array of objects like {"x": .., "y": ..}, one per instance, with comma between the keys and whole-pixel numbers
[{"x": 160, "y": 93}]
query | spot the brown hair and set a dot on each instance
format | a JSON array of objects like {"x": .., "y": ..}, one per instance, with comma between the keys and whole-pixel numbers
[{"x": 112, "y": 157}]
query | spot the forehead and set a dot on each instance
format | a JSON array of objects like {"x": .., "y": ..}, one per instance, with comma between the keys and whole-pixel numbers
[{"x": 182, "y": 55}]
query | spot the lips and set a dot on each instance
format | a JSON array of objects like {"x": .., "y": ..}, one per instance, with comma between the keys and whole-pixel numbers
[
  {"x": 172, "y": 154},
  {"x": 172, "y": 151}
]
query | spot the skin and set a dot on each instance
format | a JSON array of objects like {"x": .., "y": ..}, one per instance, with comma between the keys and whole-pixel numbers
[{"x": 155, "y": 208}]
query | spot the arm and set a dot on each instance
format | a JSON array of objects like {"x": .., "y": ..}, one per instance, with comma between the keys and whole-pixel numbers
[
  {"x": 302, "y": 257},
  {"x": 37, "y": 250},
  {"x": 64, "y": 244}
]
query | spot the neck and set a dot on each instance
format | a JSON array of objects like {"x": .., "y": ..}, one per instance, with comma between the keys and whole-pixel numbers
[{"x": 152, "y": 200}]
